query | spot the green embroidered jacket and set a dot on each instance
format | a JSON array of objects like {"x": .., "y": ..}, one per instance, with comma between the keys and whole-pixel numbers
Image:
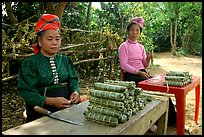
[{"x": 36, "y": 73}]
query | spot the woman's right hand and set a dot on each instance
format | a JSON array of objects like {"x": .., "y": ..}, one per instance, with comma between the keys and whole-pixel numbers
[
  {"x": 58, "y": 102},
  {"x": 143, "y": 74}
]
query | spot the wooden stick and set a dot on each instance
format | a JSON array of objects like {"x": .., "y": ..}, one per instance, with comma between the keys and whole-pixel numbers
[
  {"x": 157, "y": 93},
  {"x": 9, "y": 78}
]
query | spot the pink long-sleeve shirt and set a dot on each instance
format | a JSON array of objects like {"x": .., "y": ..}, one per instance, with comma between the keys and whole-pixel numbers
[{"x": 132, "y": 56}]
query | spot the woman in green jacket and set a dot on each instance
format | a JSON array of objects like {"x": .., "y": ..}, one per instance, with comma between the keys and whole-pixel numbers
[{"x": 47, "y": 79}]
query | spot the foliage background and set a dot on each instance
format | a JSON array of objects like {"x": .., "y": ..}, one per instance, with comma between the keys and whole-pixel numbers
[{"x": 169, "y": 26}]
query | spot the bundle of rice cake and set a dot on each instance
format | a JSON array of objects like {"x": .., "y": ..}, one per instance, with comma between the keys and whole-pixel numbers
[
  {"x": 128, "y": 84},
  {"x": 177, "y": 78},
  {"x": 114, "y": 102},
  {"x": 101, "y": 118},
  {"x": 108, "y": 111}
]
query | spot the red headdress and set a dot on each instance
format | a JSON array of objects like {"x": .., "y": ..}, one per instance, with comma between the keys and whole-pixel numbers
[{"x": 46, "y": 21}]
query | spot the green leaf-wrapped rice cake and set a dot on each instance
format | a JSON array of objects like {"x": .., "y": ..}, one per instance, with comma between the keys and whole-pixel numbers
[
  {"x": 108, "y": 95},
  {"x": 108, "y": 103},
  {"x": 177, "y": 73},
  {"x": 108, "y": 87},
  {"x": 108, "y": 111},
  {"x": 177, "y": 78},
  {"x": 100, "y": 118},
  {"x": 114, "y": 102},
  {"x": 176, "y": 83},
  {"x": 128, "y": 84}
]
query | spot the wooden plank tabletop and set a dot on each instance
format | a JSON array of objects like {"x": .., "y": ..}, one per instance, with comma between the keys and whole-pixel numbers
[{"x": 137, "y": 124}]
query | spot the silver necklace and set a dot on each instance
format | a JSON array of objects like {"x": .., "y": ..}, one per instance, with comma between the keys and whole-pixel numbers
[{"x": 54, "y": 68}]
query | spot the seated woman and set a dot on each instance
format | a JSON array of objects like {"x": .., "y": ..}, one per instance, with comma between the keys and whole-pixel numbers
[
  {"x": 47, "y": 79},
  {"x": 132, "y": 55},
  {"x": 134, "y": 60}
]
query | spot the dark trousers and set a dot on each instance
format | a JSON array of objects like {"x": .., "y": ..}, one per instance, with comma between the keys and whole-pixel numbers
[
  {"x": 31, "y": 113},
  {"x": 137, "y": 79},
  {"x": 55, "y": 92},
  {"x": 133, "y": 77},
  {"x": 171, "y": 114}
]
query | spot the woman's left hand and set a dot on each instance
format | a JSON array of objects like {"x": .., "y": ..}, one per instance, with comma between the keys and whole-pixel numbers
[{"x": 74, "y": 97}]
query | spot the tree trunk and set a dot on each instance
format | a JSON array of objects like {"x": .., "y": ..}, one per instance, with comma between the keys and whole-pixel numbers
[
  {"x": 175, "y": 33},
  {"x": 122, "y": 22},
  {"x": 173, "y": 42},
  {"x": 60, "y": 9},
  {"x": 12, "y": 17},
  {"x": 10, "y": 14},
  {"x": 41, "y": 6},
  {"x": 50, "y": 7},
  {"x": 171, "y": 37},
  {"x": 88, "y": 16}
]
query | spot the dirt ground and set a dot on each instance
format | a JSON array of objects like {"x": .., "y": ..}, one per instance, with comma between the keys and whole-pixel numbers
[
  {"x": 193, "y": 65},
  {"x": 13, "y": 105}
]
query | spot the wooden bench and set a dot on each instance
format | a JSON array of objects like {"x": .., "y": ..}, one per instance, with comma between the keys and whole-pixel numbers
[{"x": 139, "y": 124}]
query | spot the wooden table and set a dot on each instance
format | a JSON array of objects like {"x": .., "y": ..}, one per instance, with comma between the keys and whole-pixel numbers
[
  {"x": 157, "y": 84},
  {"x": 138, "y": 124}
]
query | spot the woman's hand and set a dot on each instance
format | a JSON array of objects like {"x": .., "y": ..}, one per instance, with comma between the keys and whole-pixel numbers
[
  {"x": 58, "y": 102},
  {"x": 143, "y": 74},
  {"x": 74, "y": 97}
]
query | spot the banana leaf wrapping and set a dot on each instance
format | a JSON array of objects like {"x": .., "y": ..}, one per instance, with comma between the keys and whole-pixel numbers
[
  {"x": 190, "y": 77},
  {"x": 108, "y": 111},
  {"x": 131, "y": 92},
  {"x": 148, "y": 98},
  {"x": 108, "y": 103},
  {"x": 108, "y": 95},
  {"x": 136, "y": 106},
  {"x": 132, "y": 105},
  {"x": 144, "y": 100},
  {"x": 176, "y": 78},
  {"x": 114, "y": 99},
  {"x": 126, "y": 101},
  {"x": 100, "y": 118},
  {"x": 141, "y": 105},
  {"x": 128, "y": 106},
  {"x": 134, "y": 111},
  {"x": 177, "y": 73},
  {"x": 176, "y": 83},
  {"x": 131, "y": 99},
  {"x": 108, "y": 87},
  {"x": 141, "y": 102},
  {"x": 128, "y": 114},
  {"x": 128, "y": 84},
  {"x": 138, "y": 92}
]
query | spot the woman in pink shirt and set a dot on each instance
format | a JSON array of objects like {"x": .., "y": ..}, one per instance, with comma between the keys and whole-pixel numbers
[
  {"x": 134, "y": 60},
  {"x": 132, "y": 55}
]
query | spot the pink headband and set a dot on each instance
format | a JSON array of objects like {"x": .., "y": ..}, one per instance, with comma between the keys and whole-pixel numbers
[{"x": 139, "y": 21}]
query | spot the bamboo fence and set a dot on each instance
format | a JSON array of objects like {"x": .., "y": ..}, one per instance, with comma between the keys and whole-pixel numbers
[{"x": 97, "y": 51}]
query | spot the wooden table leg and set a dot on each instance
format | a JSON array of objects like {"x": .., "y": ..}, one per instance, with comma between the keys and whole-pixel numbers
[
  {"x": 162, "y": 122},
  {"x": 180, "y": 108}
]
